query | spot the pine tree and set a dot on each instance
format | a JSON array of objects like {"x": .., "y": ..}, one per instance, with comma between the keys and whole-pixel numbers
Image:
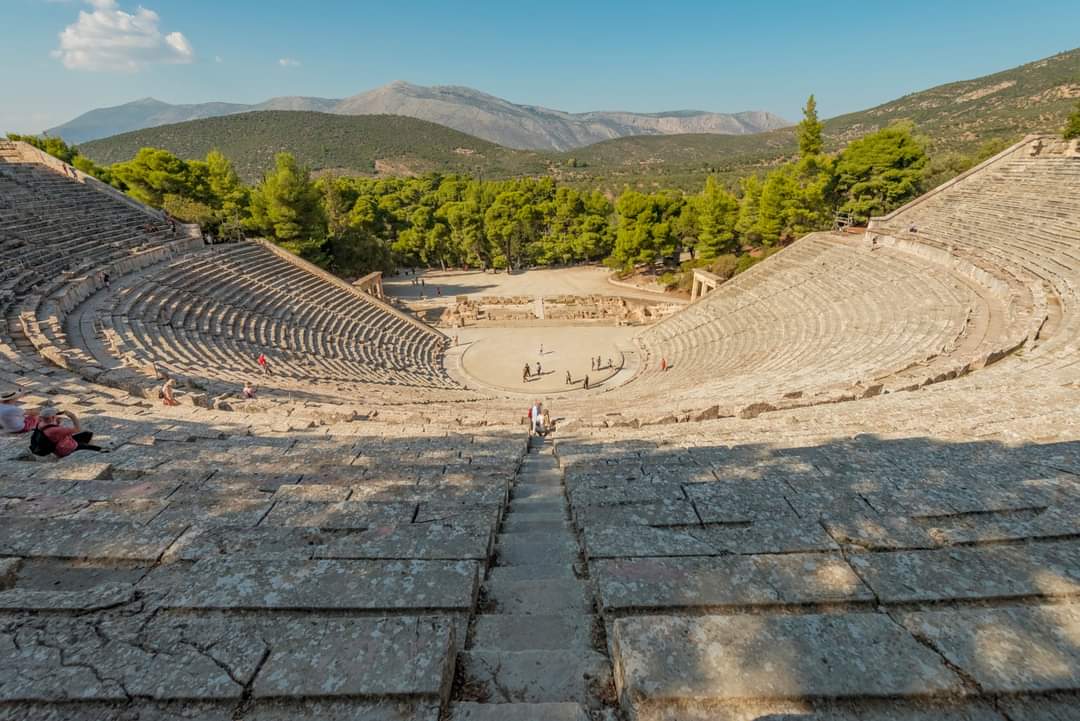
[
  {"x": 809, "y": 130},
  {"x": 1072, "y": 127}
]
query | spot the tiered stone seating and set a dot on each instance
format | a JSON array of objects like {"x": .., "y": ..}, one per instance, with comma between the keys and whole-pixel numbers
[
  {"x": 207, "y": 316},
  {"x": 210, "y": 563}
]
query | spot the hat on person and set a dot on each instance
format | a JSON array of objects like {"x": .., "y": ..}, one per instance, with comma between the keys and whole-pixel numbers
[
  {"x": 49, "y": 412},
  {"x": 10, "y": 396}
]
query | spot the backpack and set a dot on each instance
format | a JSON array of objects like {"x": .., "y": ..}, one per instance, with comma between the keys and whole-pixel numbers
[{"x": 40, "y": 445}]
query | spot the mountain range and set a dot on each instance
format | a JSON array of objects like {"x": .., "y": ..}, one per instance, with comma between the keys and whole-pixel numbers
[
  {"x": 954, "y": 118},
  {"x": 524, "y": 127}
]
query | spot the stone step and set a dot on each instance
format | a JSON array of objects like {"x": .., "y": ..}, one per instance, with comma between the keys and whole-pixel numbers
[
  {"x": 537, "y": 505},
  {"x": 538, "y": 676},
  {"x": 536, "y": 522},
  {"x": 519, "y": 712},
  {"x": 527, "y": 548},
  {"x": 540, "y": 596},
  {"x": 530, "y": 573},
  {"x": 537, "y": 491},
  {"x": 512, "y": 632}
]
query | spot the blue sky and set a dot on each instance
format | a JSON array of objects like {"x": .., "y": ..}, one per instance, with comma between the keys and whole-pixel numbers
[{"x": 576, "y": 56}]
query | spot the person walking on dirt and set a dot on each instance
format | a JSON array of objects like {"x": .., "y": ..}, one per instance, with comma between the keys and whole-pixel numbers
[
  {"x": 569, "y": 379},
  {"x": 586, "y": 384},
  {"x": 526, "y": 374}
]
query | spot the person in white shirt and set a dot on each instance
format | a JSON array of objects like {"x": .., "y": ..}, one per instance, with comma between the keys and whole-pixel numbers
[{"x": 13, "y": 418}]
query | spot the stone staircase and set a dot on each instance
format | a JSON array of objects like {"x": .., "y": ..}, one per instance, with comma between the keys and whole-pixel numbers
[{"x": 535, "y": 651}]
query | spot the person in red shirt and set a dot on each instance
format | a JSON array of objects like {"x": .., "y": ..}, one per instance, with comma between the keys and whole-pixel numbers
[
  {"x": 264, "y": 364},
  {"x": 65, "y": 439}
]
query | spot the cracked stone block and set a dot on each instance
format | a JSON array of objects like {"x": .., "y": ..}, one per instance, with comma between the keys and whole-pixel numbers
[
  {"x": 113, "y": 659},
  {"x": 122, "y": 490},
  {"x": 85, "y": 539},
  {"x": 642, "y": 542},
  {"x": 372, "y": 658},
  {"x": 728, "y": 581},
  {"x": 235, "y": 583},
  {"x": 1031, "y": 569},
  {"x": 262, "y": 542},
  {"x": 824, "y": 710},
  {"x": 221, "y": 511},
  {"x": 673, "y": 659},
  {"x": 1011, "y": 649}
]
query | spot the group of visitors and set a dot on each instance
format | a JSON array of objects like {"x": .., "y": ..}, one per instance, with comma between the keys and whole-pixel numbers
[
  {"x": 598, "y": 364},
  {"x": 527, "y": 373},
  {"x": 49, "y": 433},
  {"x": 539, "y": 420}
]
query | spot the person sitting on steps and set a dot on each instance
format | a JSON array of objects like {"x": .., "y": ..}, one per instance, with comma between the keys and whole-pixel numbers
[
  {"x": 13, "y": 419},
  {"x": 60, "y": 440},
  {"x": 167, "y": 394}
]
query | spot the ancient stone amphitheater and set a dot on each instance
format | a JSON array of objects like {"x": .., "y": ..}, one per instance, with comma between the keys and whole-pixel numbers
[{"x": 854, "y": 494}]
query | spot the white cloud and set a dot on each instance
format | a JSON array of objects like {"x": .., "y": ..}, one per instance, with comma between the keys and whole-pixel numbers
[
  {"x": 109, "y": 39},
  {"x": 289, "y": 63}
]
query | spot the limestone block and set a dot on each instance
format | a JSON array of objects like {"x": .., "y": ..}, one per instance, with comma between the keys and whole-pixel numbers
[
  {"x": 370, "y": 658},
  {"x": 728, "y": 581},
  {"x": 718, "y": 658},
  {"x": 241, "y": 583},
  {"x": 1009, "y": 649},
  {"x": 429, "y": 541},
  {"x": 85, "y": 539}
]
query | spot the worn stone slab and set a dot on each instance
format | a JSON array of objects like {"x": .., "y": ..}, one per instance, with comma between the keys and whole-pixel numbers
[
  {"x": 518, "y": 712},
  {"x": 85, "y": 539},
  {"x": 667, "y": 512},
  {"x": 33, "y": 488},
  {"x": 1033, "y": 523},
  {"x": 791, "y": 535},
  {"x": 122, "y": 490},
  {"x": 430, "y": 541},
  {"x": 345, "y": 514},
  {"x": 228, "y": 583},
  {"x": 216, "y": 511},
  {"x": 878, "y": 532},
  {"x": 373, "y": 658},
  {"x": 735, "y": 502},
  {"x": 513, "y": 632},
  {"x": 464, "y": 514},
  {"x": 1010, "y": 649},
  {"x": 615, "y": 494},
  {"x": 64, "y": 659},
  {"x": 1033, "y": 569},
  {"x": 312, "y": 492},
  {"x": 95, "y": 599},
  {"x": 822, "y": 710},
  {"x": 723, "y": 658},
  {"x": 537, "y": 676},
  {"x": 335, "y": 710},
  {"x": 641, "y": 542},
  {"x": 263, "y": 542},
  {"x": 725, "y": 582}
]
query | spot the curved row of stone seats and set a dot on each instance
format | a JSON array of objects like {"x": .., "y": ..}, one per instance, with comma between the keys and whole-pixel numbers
[
  {"x": 60, "y": 233},
  {"x": 207, "y": 317},
  {"x": 212, "y": 563},
  {"x": 825, "y": 317}
]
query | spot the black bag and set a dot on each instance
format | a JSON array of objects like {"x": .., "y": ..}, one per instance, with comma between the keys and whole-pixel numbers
[{"x": 40, "y": 445}]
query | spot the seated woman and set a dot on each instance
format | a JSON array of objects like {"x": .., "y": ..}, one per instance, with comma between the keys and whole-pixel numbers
[
  {"x": 168, "y": 396},
  {"x": 249, "y": 390},
  {"x": 65, "y": 440}
]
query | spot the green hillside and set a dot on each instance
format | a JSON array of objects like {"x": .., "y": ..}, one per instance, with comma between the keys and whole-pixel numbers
[
  {"x": 956, "y": 117},
  {"x": 367, "y": 144}
]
